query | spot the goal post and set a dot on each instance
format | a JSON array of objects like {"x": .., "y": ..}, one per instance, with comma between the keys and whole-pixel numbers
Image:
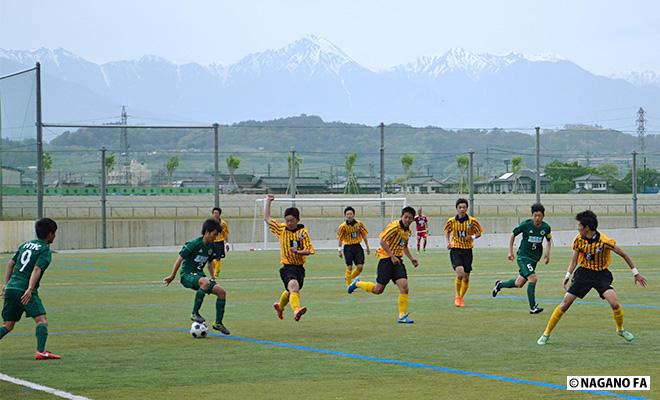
[{"x": 324, "y": 207}]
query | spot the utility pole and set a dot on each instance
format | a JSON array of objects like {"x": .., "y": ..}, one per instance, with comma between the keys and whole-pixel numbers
[
  {"x": 216, "y": 165},
  {"x": 104, "y": 217},
  {"x": 538, "y": 164},
  {"x": 382, "y": 169},
  {"x": 292, "y": 189},
  {"x": 471, "y": 197},
  {"x": 506, "y": 164},
  {"x": 634, "y": 188},
  {"x": 123, "y": 141},
  {"x": 641, "y": 134},
  {"x": 40, "y": 149}
]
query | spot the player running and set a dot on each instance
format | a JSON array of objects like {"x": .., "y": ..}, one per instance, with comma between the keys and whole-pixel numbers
[
  {"x": 20, "y": 288},
  {"x": 194, "y": 255},
  {"x": 295, "y": 246},
  {"x": 349, "y": 235},
  {"x": 591, "y": 254},
  {"x": 421, "y": 224},
  {"x": 533, "y": 232}
]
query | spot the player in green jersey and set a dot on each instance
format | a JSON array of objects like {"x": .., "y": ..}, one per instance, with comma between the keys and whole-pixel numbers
[
  {"x": 194, "y": 255},
  {"x": 533, "y": 231},
  {"x": 20, "y": 288}
]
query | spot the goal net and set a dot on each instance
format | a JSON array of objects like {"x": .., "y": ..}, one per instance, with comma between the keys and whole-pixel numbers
[{"x": 323, "y": 215}]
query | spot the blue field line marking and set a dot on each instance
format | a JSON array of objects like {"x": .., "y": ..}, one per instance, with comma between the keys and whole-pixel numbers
[
  {"x": 592, "y": 303},
  {"x": 418, "y": 365},
  {"x": 350, "y": 355}
]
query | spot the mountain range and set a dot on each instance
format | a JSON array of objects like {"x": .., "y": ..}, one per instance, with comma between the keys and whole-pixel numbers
[{"x": 312, "y": 76}]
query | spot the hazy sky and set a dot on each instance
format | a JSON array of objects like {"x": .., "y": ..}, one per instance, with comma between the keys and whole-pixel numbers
[{"x": 603, "y": 36}]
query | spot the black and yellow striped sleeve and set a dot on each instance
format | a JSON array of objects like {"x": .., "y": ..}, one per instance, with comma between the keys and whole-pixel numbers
[
  {"x": 363, "y": 230},
  {"x": 307, "y": 241},
  {"x": 275, "y": 227},
  {"x": 476, "y": 227},
  {"x": 449, "y": 226}
]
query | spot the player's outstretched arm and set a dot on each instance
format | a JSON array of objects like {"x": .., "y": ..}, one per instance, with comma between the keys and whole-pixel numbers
[
  {"x": 170, "y": 278},
  {"x": 10, "y": 269},
  {"x": 269, "y": 200},
  {"x": 412, "y": 258},
  {"x": 571, "y": 268},
  {"x": 638, "y": 277},
  {"x": 34, "y": 278}
]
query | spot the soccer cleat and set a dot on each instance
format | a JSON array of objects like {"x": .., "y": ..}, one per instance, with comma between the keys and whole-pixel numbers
[
  {"x": 195, "y": 317},
  {"x": 351, "y": 288},
  {"x": 543, "y": 340},
  {"x": 536, "y": 310},
  {"x": 626, "y": 335},
  {"x": 497, "y": 288},
  {"x": 218, "y": 326},
  {"x": 405, "y": 319},
  {"x": 45, "y": 355},
  {"x": 457, "y": 301},
  {"x": 280, "y": 312},
  {"x": 301, "y": 311}
]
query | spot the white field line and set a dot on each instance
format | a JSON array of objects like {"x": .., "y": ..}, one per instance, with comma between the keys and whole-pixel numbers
[{"x": 41, "y": 388}]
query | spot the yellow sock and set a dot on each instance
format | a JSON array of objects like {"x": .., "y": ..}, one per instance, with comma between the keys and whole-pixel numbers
[
  {"x": 347, "y": 274},
  {"x": 618, "y": 318},
  {"x": 356, "y": 272},
  {"x": 464, "y": 287},
  {"x": 459, "y": 285},
  {"x": 284, "y": 299},
  {"x": 366, "y": 286},
  {"x": 403, "y": 304},
  {"x": 217, "y": 266},
  {"x": 294, "y": 299},
  {"x": 552, "y": 322}
]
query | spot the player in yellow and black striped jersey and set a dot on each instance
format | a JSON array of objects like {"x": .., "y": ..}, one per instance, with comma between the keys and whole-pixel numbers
[
  {"x": 393, "y": 245},
  {"x": 460, "y": 232},
  {"x": 295, "y": 246},
  {"x": 349, "y": 234},
  {"x": 591, "y": 254},
  {"x": 220, "y": 244}
]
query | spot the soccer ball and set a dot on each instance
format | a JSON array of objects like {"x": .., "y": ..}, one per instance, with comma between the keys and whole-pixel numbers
[{"x": 199, "y": 330}]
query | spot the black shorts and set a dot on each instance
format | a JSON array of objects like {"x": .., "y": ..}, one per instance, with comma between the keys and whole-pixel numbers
[
  {"x": 461, "y": 258},
  {"x": 387, "y": 271},
  {"x": 219, "y": 250},
  {"x": 289, "y": 272},
  {"x": 353, "y": 254},
  {"x": 584, "y": 279}
]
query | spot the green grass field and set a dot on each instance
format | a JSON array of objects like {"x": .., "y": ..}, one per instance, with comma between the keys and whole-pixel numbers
[{"x": 122, "y": 335}]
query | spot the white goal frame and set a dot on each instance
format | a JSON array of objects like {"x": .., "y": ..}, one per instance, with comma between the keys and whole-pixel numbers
[{"x": 260, "y": 204}]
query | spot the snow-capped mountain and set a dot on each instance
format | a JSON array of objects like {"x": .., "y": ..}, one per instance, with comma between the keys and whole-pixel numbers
[
  {"x": 313, "y": 76},
  {"x": 640, "y": 79}
]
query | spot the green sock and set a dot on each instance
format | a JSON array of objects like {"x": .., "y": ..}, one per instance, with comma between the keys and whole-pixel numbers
[
  {"x": 508, "y": 284},
  {"x": 531, "y": 295},
  {"x": 42, "y": 335},
  {"x": 219, "y": 310},
  {"x": 3, "y": 331},
  {"x": 199, "y": 299}
]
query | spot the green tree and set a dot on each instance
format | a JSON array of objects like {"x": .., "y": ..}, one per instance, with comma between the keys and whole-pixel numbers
[
  {"x": 47, "y": 161},
  {"x": 352, "y": 186},
  {"x": 109, "y": 163},
  {"x": 607, "y": 170},
  {"x": 233, "y": 162},
  {"x": 516, "y": 166},
  {"x": 171, "y": 165},
  {"x": 407, "y": 161},
  {"x": 463, "y": 163}
]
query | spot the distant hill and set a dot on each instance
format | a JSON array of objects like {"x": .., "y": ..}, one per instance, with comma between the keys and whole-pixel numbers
[
  {"x": 313, "y": 76},
  {"x": 323, "y": 146}
]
